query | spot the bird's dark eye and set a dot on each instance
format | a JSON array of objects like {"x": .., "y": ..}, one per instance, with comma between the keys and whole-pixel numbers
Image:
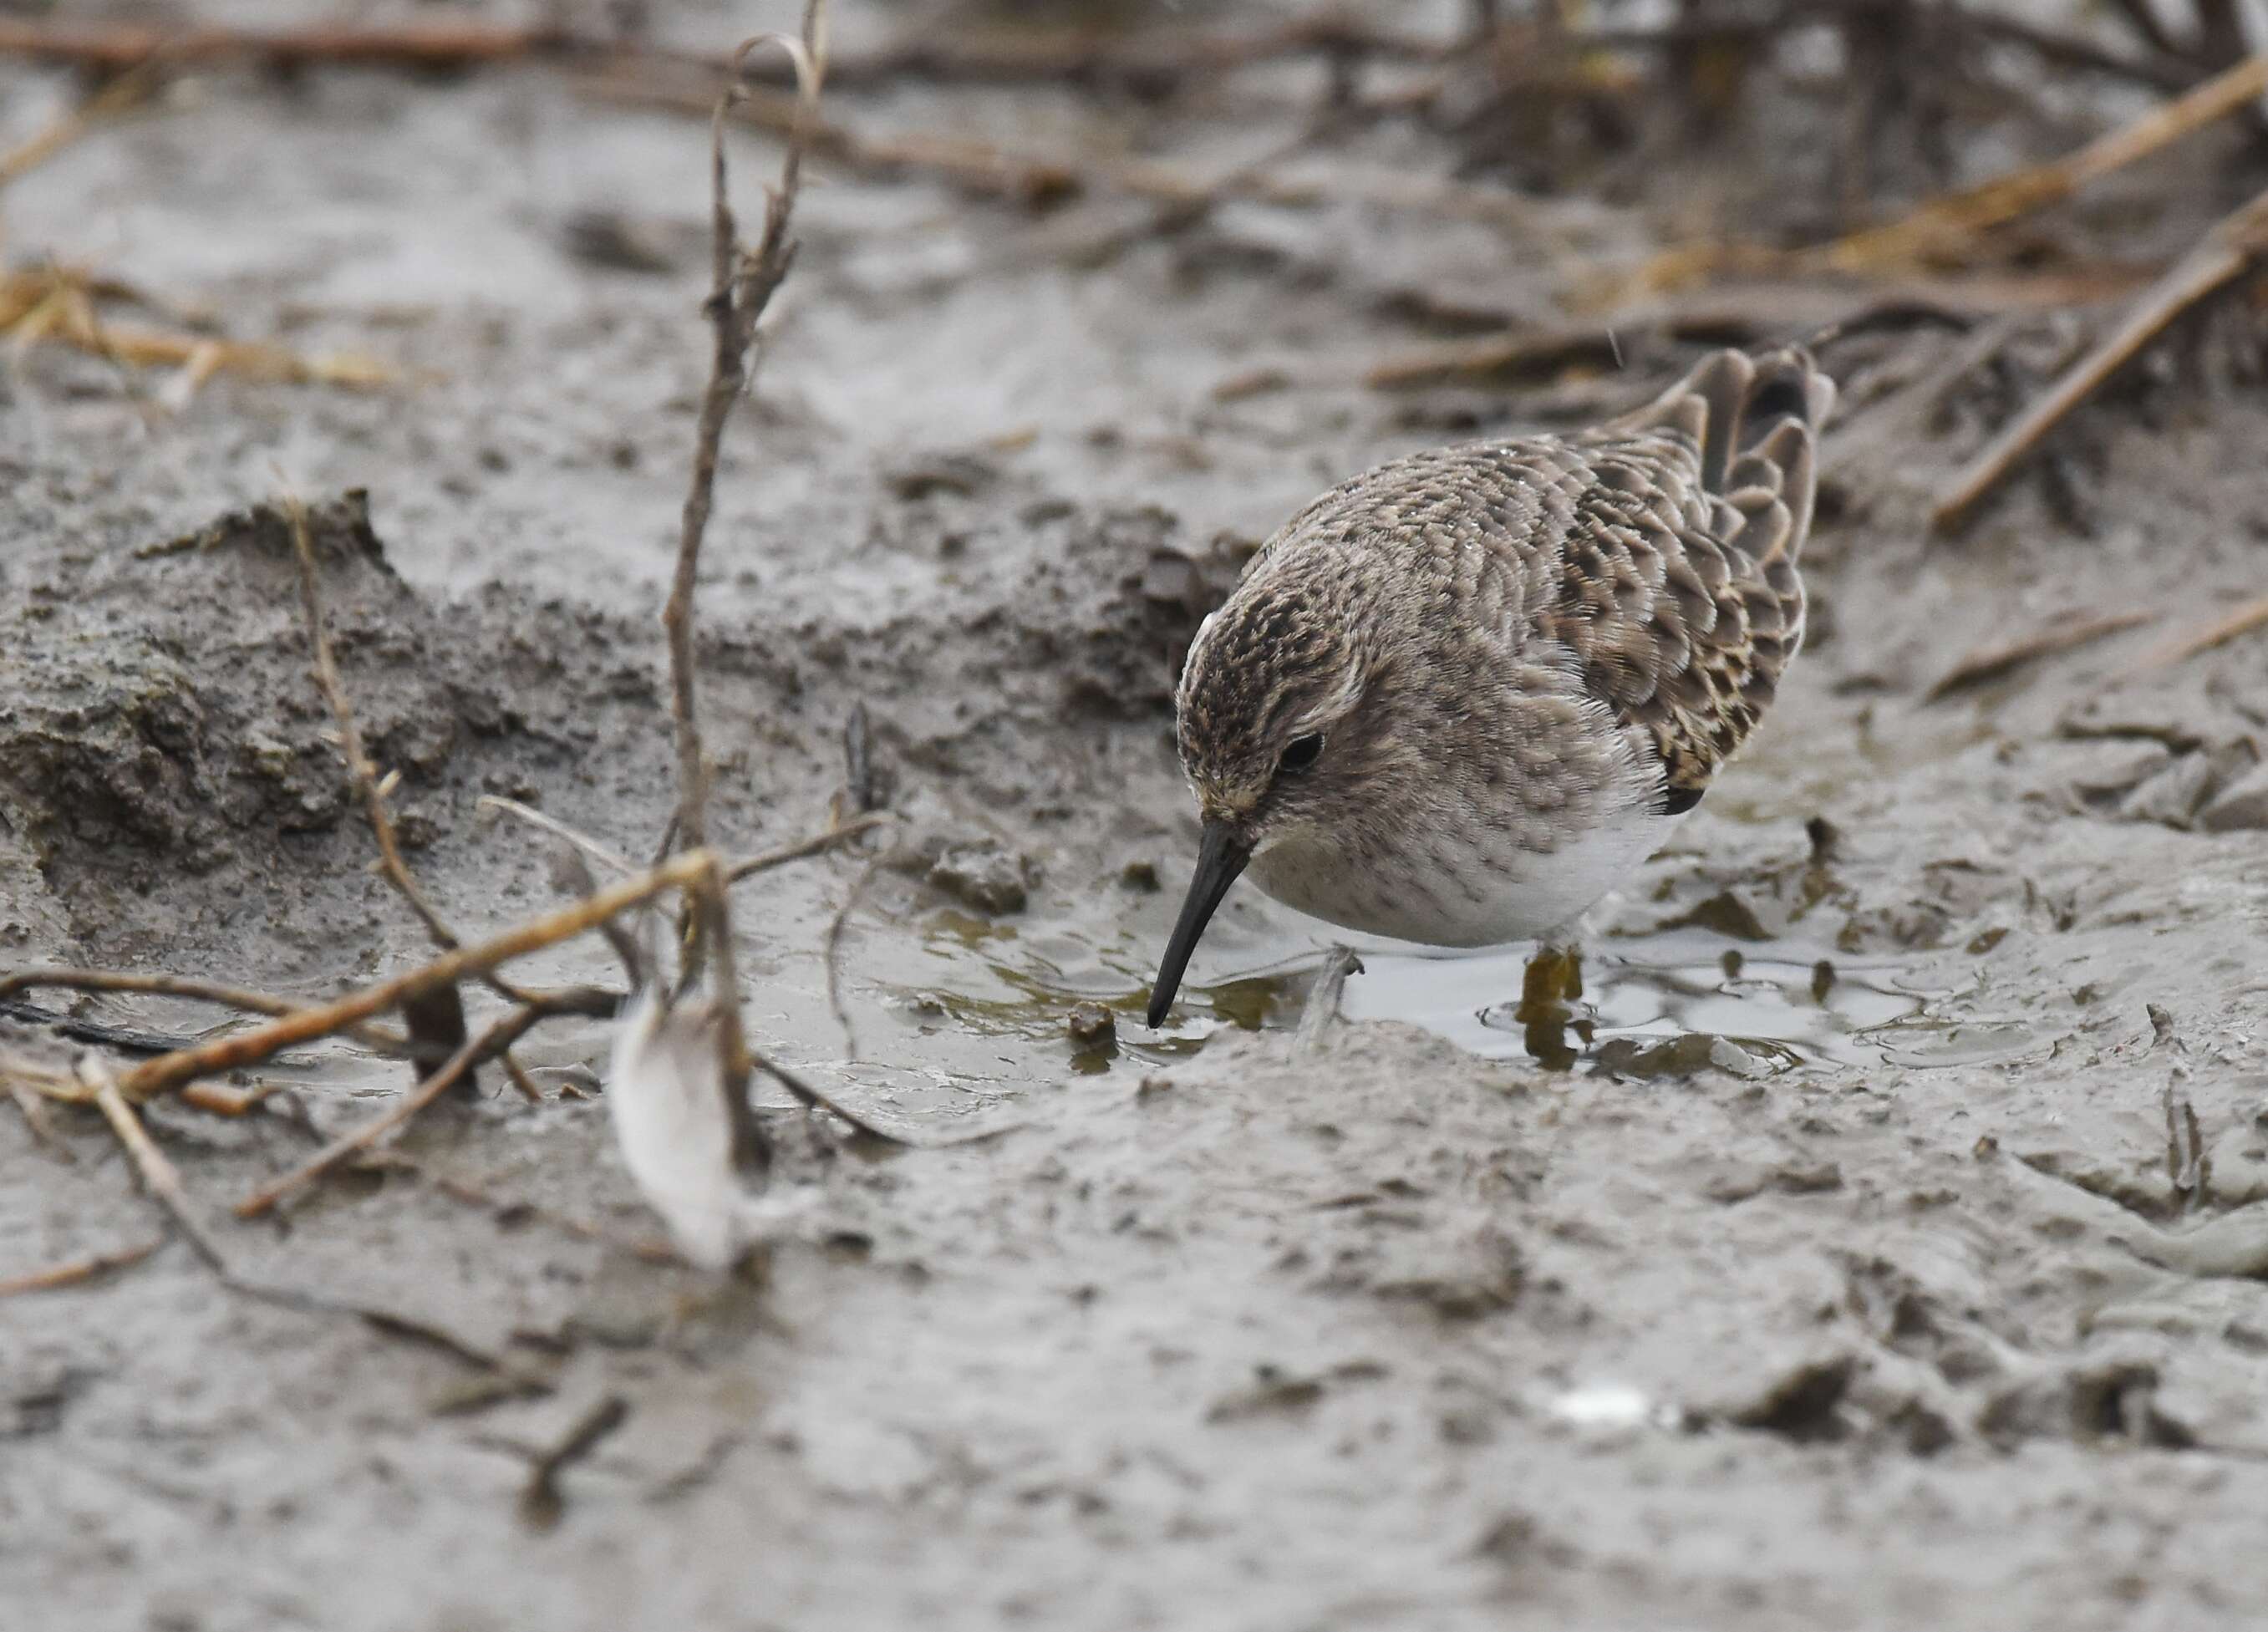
[{"x": 1303, "y": 753}]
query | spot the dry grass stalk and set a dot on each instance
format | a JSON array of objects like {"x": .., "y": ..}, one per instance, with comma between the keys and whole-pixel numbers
[
  {"x": 227, "y": 1054},
  {"x": 1954, "y": 220},
  {"x": 997, "y": 56},
  {"x": 992, "y": 171},
  {"x": 159, "y": 1176},
  {"x": 833, "y": 838},
  {"x": 382, "y": 1039},
  {"x": 122, "y": 95},
  {"x": 2245, "y": 618},
  {"x": 2235, "y": 247},
  {"x": 58, "y": 306},
  {"x": 439, "y": 1018},
  {"x": 541, "y": 1502},
  {"x": 1991, "y": 661},
  {"x": 36, "y": 1118},
  {"x": 743, "y": 282},
  {"x": 78, "y": 1271},
  {"x": 1948, "y": 227},
  {"x": 440, "y": 43},
  {"x": 499, "y": 1036}
]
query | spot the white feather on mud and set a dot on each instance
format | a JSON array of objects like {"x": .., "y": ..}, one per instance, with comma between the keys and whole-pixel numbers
[{"x": 676, "y": 1139}]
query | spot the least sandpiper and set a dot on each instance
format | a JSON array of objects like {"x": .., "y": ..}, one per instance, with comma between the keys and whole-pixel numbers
[{"x": 1459, "y": 697}]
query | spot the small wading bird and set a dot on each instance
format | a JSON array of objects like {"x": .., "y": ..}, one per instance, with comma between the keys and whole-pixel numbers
[{"x": 1459, "y": 697}]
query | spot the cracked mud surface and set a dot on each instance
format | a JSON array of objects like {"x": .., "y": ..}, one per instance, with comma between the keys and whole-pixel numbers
[{"x": 1854, "y": 1298}]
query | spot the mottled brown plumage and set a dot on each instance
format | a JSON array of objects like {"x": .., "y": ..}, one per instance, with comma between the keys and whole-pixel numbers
[{"x": 1457, "y": 697}]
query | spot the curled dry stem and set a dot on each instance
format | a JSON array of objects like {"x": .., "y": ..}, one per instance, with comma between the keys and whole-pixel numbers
[{"x": 742, "y": 284}]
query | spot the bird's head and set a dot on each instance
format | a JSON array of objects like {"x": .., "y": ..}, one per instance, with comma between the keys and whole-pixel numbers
[{"x": 1278, "y": 735}]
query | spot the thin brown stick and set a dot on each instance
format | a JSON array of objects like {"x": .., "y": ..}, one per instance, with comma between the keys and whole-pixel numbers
[
  {"x": 996, "y": 56},
  {"x": 225, "y": 1054},
  {"x": 499, "y": 1036},
  {"x": 816, "y": 1099},
  {"x": 36, "y": 1118},
  {"x": 383, "y": 1038},
  {"x": 128, "y": 91},
  {"x": 222, "y": 1100},
  {"x": 1990, "y": 661},
  {"x": 2234, "y": 246},
  {"x": 1956, "y": 220},
  {"x": 541, "y": 1502},
  {"x": 76, "y": 1271},
  {"x": 558, "y": 829},
  {"x": 446, "y": 43},
  {"x": 2025, "y": 191},
  {"x": 748, "y": 866},
  {"x": 2244, "y": 620},
  {"x": 742, "y": 284},
  {"x": 159, "y": 1176},
  {"x": 439, "y": 1018},
  {"x": 360, "y": 771},
  {"x": 835, "y": 928},
  {"x": 53, "y": 304},
  {"x": 989, "y": 170}
]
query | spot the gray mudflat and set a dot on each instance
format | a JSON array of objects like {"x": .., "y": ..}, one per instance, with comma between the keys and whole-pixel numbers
[{"x": 1904, "y": 1323}]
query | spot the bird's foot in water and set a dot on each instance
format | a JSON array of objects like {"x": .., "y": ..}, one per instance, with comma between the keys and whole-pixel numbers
[{"x": 1548, "y": 991}]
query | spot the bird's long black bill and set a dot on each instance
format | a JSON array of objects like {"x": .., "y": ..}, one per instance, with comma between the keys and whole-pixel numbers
[{"x": 1220, "y": 857}]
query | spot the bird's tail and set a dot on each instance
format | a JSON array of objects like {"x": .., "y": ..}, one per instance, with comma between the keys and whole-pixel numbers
[{"x": 1755, "y": 422}]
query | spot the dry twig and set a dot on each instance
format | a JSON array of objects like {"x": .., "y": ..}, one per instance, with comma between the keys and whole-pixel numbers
[
  {"x": 58, "y": 306},
  {"x": 436, "y": 1018},
  {"x": 764, "y": 861},
  {"x": 159, "y": 1176},
  {"x": 382, "y": 1039},
  {"x": 439, "y": 43},
  {"x": 36, "y": 1118},
  {"x": 992, "y": 171},
  {"x": 541, "y": 1503},
  {"x": 743, "y": 282},
  {"x": 499, "y": 1036},
  {"x": 2242, "y": 619},
  {"x": 122, "y": 95},
  {"x": 1991, "y": 661},
  {"x": 2234, "y": 246},
  {"x": 170, "y": 1071},
  {"x": 1952, "y": 222},
  {"x": 76, "y": 1271}
]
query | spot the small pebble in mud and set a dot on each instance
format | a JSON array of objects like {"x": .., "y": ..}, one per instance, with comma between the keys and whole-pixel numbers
[
  {"x": 1092, "y": 1024},
  {"x": 980, "y": 873},
  {"x": 1141, "y": 875},
  {"x": 1822, "y": 980},
  {"x": 1826, "y": 838}
]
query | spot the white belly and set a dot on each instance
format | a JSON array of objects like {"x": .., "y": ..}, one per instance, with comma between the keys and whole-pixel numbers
[{"x": 1455, "y": 895}]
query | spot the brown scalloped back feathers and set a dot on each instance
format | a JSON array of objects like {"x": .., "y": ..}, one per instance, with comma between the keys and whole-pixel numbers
[{"x": 1679, "y": 593}]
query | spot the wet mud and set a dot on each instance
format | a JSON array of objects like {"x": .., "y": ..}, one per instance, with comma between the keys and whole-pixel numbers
[{"x": 1831, "y": 1258}]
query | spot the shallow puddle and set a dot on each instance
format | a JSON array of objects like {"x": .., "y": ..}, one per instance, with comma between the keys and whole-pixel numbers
[{"x": 1661, "y": 1004}]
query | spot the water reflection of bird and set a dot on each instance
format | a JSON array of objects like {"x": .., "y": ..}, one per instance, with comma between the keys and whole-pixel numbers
[{"x": 1458, "y": 698}]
